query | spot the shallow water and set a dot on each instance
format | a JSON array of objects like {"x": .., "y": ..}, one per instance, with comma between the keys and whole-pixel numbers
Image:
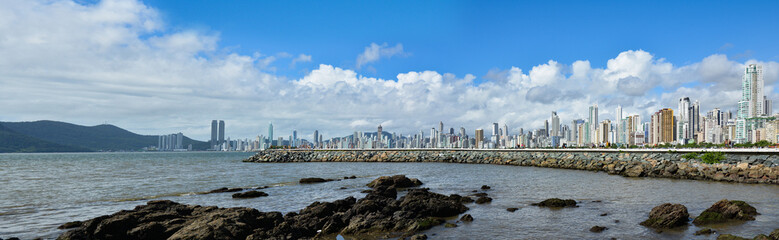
[{"x": 41, "y": 191}]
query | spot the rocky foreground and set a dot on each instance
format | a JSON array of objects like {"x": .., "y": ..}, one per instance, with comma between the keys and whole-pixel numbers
[
  {"x": 743, "y": 168},
  {"x": 381, "y": 213}
]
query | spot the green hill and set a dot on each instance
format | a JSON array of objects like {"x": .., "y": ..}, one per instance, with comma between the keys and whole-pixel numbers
[
  {"x": 12, "y": 142},
  {"x": 96, "y": 138}
]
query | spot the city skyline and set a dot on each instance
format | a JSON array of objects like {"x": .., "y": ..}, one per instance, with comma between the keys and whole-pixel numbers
[{"x": 141, "y": 65}]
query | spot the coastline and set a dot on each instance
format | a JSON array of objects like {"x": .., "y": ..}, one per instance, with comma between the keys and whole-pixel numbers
[{"x": 761, "y": 167}]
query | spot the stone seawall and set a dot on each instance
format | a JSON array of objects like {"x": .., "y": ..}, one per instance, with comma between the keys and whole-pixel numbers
[{"x": 737, "y": 167}]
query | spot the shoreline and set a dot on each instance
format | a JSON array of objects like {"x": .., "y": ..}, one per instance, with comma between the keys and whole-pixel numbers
[{"x": 752, "y": 167}]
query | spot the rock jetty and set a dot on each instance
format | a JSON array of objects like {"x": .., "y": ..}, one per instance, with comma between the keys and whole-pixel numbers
[
  {"x": 380, "y": 213},
  {"x": 735, "y": 167}
]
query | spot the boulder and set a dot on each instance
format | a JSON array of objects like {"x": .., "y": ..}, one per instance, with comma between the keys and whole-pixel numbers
[
  {"x": 397, "y": 181},
  {"x": 485, "y": 187},
  {"x": 726, "y": 210},
  {"x": 419, "y": 237},
  {"x": 667, "y": 216},
  {"x": 597, "y": 229},
  {"x": 466, "y": 218},
  {"x": 250, "y": 194},
  {"x": 512, "y": 209},
  {"x": 482, "y": 200},
  {"x": 705, "y": 231},
  {"x": 556, "y": 203}
]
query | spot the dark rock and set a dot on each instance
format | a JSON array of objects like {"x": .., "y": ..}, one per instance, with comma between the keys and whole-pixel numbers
[
  {"x": 475, "y": 191},
  {"x": 604, "y": 214},
  {"x": 378, "y": 213},
  {"x": 342, "y": 188},
  {"x": 263, "y": 187},
  {"x": 556, "y": 203},
  {"x": 616, "y": 221},
  {"x": 705, "y": 231},
  {"x": 774, "y": 234},
  {"x": 250, "y": 194},
  {"x": 466, "y": 218},
  {"x": 667, "y": 216},
  {"x": 419, "y": 237},
  {"x": 366, "y": 191},
  {"x": 69, "y": 225},
  {"x": 352, "y": 177},
  {"x": 466, "y": 200},
  {"x": 314, "y": 180},
  {"x": 597, "y": 229},
  {"x": 726, "y": 210},
  {"x": 482, "y": 200},
  {"x": 512, "y": 209},
  {"x": 730, "y": 237},
  {"x": 450, "y": 225},
  {"x": 485, "y": 187},
  {"x": 224, "y": 190},
  {"x": 13, "y": 238},
  {"x": 597, "y": 201},
  {"x": 397, "y": 181}
]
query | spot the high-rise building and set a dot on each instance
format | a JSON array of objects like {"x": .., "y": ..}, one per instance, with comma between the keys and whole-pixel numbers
[
  {"x": 316, "y": 138},
  {"x": 662, "y": 127},
  {"x": 221, "y": 131},
  {"x": 593, "y": 124},
  {"x": 214, "y": 134},
  {"x": 752, "y": 100},
  {"x": 294, "y": 139},
  {"x": 684, "y": 129},
  {"x": 495, "y": 129},
  {"x": 767, "y": 106},
  {"x": 480, "y": 137},
  {"x": 378, "y": 137},
  {"x": 555, "y": 131},
  {"x": 441, "y": 126},
  {"x": 270, "y": 134},
  {"x": 618, "y": 122}
]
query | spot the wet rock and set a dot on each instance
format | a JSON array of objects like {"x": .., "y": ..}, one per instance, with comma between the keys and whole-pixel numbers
[
  {"x": 667, "y": 216},
  {"x": 466, "y": 218},
  {"x": 69, "y": 225},
  {"x": 450, "y": 225},
  {"x": 597, "y": 229},
  {"x": 466, "y": 200},
  {"x": 263, "y": 187},
  {"x": 726, "y": 210},
  {"x": 378, "y": 213},
  {"x": 512, "y": 209},
  {"x": 250, "y": 194},
  {"x": 556, "y": 203},
  {"x": 314, "y": 180},
  {"x": 419, "y": 237},
  {"x": 342, "y": 188},
  {"x": 397, "y": 181},
  {"x": 774, "y": 234},
  {"x": 604, "y": 214},
  {"x": 482, "y": 200},
  {"x": 13, "y": 238},
  {"x": 730, "y": 237},
  {"x": 480, "y": 195},
  {"x": 705, "y": 231},
  {"x": 485, "y": 187},
  {"x": 224, "y": 190}
]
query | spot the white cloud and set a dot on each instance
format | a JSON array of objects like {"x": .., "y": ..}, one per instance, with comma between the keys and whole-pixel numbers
[
  {"x": 374, "y": 52},
  {"x": 116, "y": 62}
]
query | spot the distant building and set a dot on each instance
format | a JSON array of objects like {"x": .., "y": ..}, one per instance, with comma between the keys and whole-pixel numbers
[
  {"x": 221, "y": 131},
  {"x": 479, "y": 137},
  {"x": 214, "y": 134}
]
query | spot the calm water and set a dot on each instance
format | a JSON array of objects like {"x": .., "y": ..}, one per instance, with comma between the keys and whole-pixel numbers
[{"x": 38, "y": 192}]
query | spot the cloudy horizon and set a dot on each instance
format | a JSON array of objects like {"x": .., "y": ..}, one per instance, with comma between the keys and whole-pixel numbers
[{"x": 121, "y": 62}]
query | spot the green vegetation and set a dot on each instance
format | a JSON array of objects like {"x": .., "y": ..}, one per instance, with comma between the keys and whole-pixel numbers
[
  {"x": 690, "y": 156},
  {"x": 708, "y": 217},
  {"x": 712, "y": 157},
  {"x": 12, "y": 142},
  {"x": 427, "y": 223}
]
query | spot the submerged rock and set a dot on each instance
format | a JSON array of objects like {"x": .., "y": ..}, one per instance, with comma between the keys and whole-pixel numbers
[
  {"x": 705, "y": 231},
  {"x": 466, "y": 218},
  {"x": 482, "y": 200},
  {"x": 224, "y": 190},
  {"x": 597, "y": 229},
  {"x": 250, "y": 194},
  {"x": 512, "y": 209},
  {"x": 667, "y": 216},
  {"x": 450, "y": 225},
  {"x": 556, "y": 203},
  {"x": 380, "y": 212},
  {"x": 485, "y": 187},
  {"x": 726, "y": 210},
  {"x": 314, "y": 180}
]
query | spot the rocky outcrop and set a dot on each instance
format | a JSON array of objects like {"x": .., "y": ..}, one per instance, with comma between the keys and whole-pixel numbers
[
  {"x": 597, "y": 229},
  {"x": 726, "y": 210},
  {"x": 667, "y": 216},
  {"x": 397, "y": 181},
  {"x": 556, "y": 203},
  {"x": 380, "y": 211},
  {"x": 314, "y": 180},
  {"x": 736, "y": 167}
]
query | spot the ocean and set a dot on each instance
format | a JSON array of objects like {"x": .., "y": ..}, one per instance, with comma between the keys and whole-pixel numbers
[{"x": 40, "y": 191}]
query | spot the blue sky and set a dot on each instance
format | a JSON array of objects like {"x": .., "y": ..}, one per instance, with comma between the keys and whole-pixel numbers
[
  {"x": 464, "y": 37},
  {"x": 165, "y": 66}
]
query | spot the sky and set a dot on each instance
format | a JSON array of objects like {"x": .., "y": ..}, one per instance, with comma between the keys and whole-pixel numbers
[{"x": 165, "y": 66}]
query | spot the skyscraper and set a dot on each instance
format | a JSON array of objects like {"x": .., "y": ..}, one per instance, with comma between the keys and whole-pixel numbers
[
  {"x": 316, "y": 138},
  {"x": 221, "y": 132},
  {"x": 294, "y": 139},
  {"x": 555, "y": 131},
  {"x": 495, "y": 129},
  {"x": 214, "y": 134},
  {"x": 270, "y": 133},
  {"x": 378, "y": 137},
  {"x": 441, "y": 126},
  {"x": 684, "y": 120},
  {"x": 593, "y": 124},
  {"x": 479, "y": 137},
  {"x": 752, "y": 100},
  {"x": 618, "y": 120}
]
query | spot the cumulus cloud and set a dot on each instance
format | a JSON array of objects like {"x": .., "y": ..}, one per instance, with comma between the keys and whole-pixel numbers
[
  {"x": 116, "y": 62},
  {"x": 374, "y": 52}
]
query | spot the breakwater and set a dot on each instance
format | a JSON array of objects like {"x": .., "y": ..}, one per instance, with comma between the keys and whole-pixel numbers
[{"x": 737, "y": 166}]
